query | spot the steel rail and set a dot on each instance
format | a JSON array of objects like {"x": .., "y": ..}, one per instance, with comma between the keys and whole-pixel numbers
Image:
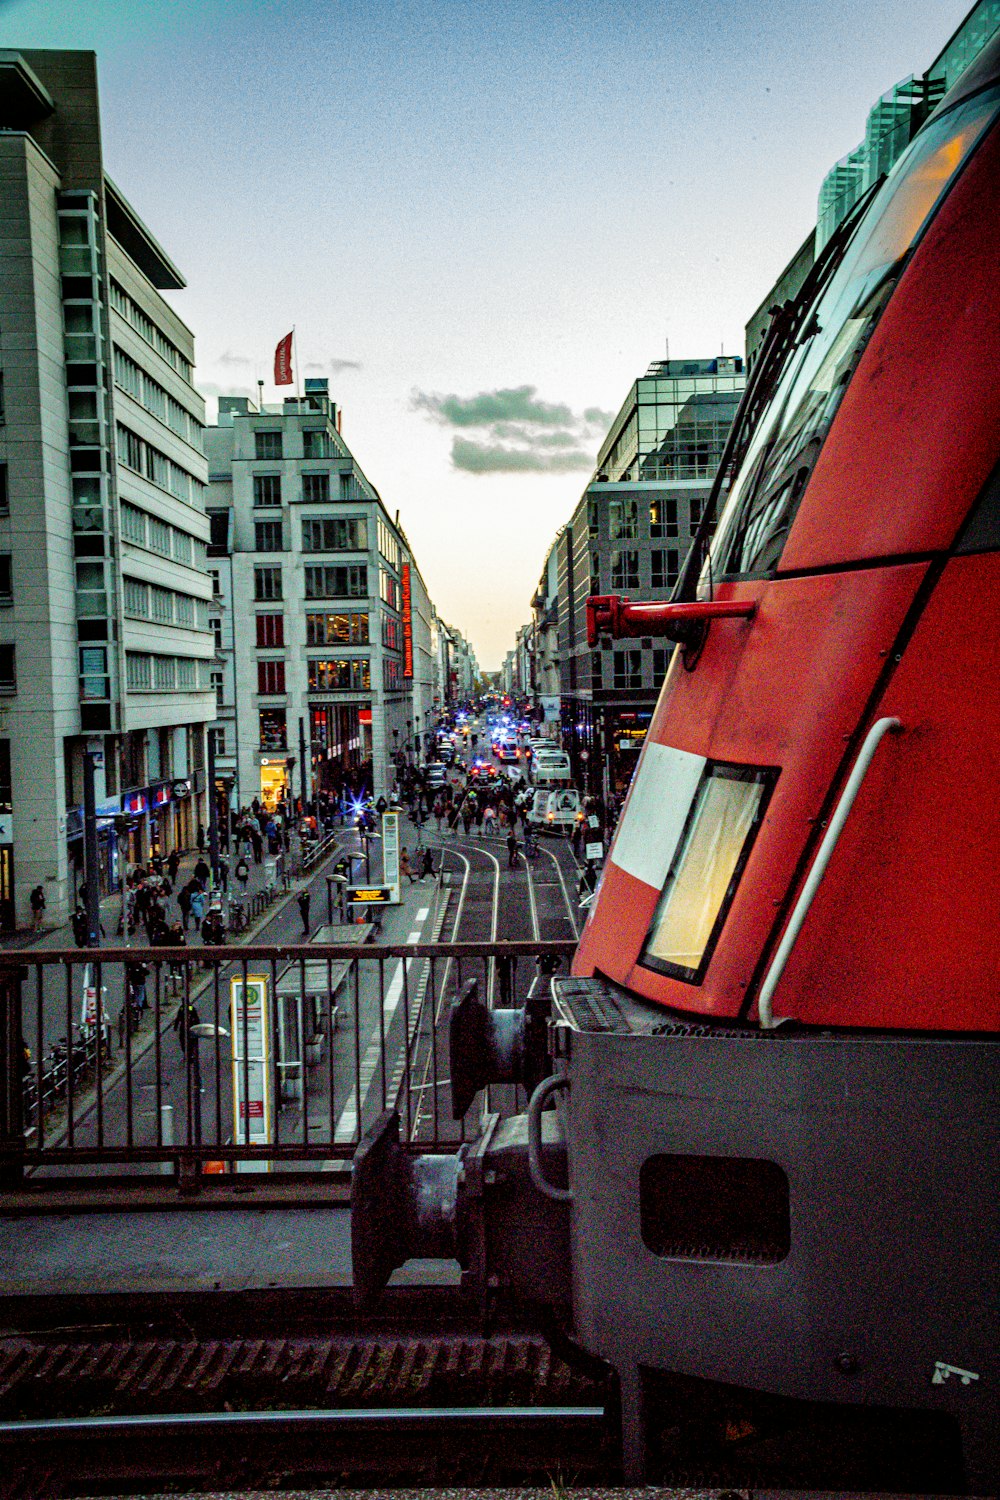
[{"x": 39, "y": 1429}]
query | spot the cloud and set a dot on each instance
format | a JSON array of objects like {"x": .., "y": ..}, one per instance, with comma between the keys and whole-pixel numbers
[
  {"x": 595, "y": 417},
  {"x": 491, "y": 458},
  {"x": 516, "y": 404},
  {"x": 234, "y": 361},
  {"x": 519, "y": 432},
  {"x": 332, "y": 366}
]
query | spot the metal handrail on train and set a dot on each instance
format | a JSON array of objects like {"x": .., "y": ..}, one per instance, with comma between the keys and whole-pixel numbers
[{"x": 873, "y": 739}]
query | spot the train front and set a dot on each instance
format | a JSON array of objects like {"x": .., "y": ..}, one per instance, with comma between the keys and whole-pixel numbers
[{"x": 770, "y": 1165}]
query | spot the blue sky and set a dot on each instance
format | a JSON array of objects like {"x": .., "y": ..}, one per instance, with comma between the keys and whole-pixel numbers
[{"x": 455, "y": 200}]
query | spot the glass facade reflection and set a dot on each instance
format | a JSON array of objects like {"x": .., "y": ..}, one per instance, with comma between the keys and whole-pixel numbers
[{"x": 673, "y": 427}]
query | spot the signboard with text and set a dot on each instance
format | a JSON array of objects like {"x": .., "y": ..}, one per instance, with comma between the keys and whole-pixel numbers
[
  {"x": 407, "y": 622},
  {"x": 368, "y": 895},
  {"x": 253, "y": 1111}
]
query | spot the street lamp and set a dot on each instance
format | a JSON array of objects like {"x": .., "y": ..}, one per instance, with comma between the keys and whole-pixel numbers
[{"x": 195, "y": 1033}]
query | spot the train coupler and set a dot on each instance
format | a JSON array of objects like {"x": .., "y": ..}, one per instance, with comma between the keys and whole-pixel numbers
[
  {"x": 478, "y": 1206},
  {"x": 505, "y": 1045}
]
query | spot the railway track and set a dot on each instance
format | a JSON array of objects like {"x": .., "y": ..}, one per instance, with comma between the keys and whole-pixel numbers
[{"x": 125, "y": 1412}]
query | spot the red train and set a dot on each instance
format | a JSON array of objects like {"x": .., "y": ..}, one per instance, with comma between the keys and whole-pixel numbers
[{"x": 776, "y": 1059}]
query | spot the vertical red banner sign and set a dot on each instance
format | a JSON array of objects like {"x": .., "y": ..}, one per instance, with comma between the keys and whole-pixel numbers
[
  {"x": 283, "y": 361},
  {"x": 407, "y": 624}
]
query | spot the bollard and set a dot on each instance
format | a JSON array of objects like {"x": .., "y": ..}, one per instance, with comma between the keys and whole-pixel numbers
[{"x": 167, "y": 1136}]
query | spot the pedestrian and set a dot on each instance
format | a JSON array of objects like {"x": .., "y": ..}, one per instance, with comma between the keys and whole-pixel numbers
[
  {"x": 201, "y": 872},
  {"x": 242, "y": 872},
  {"x": 173, "y": 864},
  {"x": 489, "y": 820},
  {"x": 197, "y": 903},
  {"x": 512, "y": 850},
  {"x": 258, "y": 844},
  {"x": 426, "y": 864},
  {"x": 405, "y": 867},
  {"x": 184, "y": 903},
  {"x": 577, "y": 837},
  {"x": 186, "y": 1017},
  {"x": 303, "y": 904},
  {"x": 588, "y": 880},
  {"x": 201, "y": 838},
  {"x": 224, "y": 874},
  {"x": 213, "y": 929},
  {"x": 37, "y": 903},
  {"x": 136, "y": 974},
  {"x": 80, "y": 933}
]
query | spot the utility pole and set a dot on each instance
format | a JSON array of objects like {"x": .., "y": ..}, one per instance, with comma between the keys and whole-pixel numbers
[
  {"x": 304, "y": 778},
  {"x": 213, "y": 813},
  {"x": 93, "y": 755}
]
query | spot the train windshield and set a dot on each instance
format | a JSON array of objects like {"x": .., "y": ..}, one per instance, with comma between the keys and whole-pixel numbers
[{"x": 766, "y": 492}]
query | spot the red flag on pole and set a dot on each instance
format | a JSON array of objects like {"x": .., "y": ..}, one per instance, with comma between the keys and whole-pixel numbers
[{"x": 283, "y": 361}]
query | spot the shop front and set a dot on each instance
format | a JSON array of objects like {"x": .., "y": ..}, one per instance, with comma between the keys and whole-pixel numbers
[
  {"x": 624, "y": 734},
  {"x": 275, "y": 781}
]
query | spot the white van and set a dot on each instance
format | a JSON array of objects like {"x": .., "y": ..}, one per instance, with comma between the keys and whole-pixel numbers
[
  {"x": 556, "y": 812},
  {"x": 549, "y": 768}
]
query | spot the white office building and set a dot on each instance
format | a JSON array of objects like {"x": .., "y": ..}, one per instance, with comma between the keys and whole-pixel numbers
[
  {"x": 323, "y": 624},
  {"x": 104, "y": 635}
]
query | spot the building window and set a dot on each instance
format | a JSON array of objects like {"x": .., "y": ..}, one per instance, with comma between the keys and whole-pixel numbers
[
  {"x": 662, "y": 518},
  {"x": 623, "y": 520},
  {"x": 218, "y": 741},
  {"x": 218, "y": 687},
  {"x": 270, "y": 630},
  {"x": 334, "y": 534},
  {"x": 4, "y": 495},
  {"x": 661, "y": 660},
  {"x": 213, "y": 573},
  {"x": 270, "y": 677},
  {"x": 273, "y": 729},
  {"x": 8, "y": 673},
  {"x": 267, "y": 583},
  {"x": 388, "y": 589},
  {"x": 695, "y": 520},
  {"x": 217, "y": 634},
  {"x": 663, "y": 567},
  {"x": 628, "y": 668},
  {"x": 595, "y": 573},
  {"x": 267, "y": 444},
  {"x": 337, "y": 676},
  {"x": 337, "y": 629},
  {"x": 316, "y": 488},
  {"x": 315, "y": 443},
  {"x": 136, "y": 598},
  {"x": 163, "y": 606},
  {"x": 392, "y": 632},
  {"x": 391, "y": 674},
  {"x": 624, "y": 570},
  {"x": 6, "y": 586},
  {"x": 138, "y": 672},
  {"x": 267, "y": 489},
  {"x": 159, "y": 536},
  {"x": 336, "y": 582},
  {"x": 268, "y": 536},
  {"x": 593, "y": 520},
  {"x": 596, "y": 675}
]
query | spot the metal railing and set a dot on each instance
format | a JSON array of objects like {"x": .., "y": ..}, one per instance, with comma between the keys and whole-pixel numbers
[{"x": 181, "y": 1077}]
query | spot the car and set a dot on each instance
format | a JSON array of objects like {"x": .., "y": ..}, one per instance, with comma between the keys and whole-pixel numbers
[
  {"x": 483, "y": 770},
  {"x": 506, "y": 748},
  {"x": 435, "y": 773}
]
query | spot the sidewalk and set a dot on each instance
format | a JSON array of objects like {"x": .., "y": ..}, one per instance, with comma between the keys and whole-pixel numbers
[{"x": 111, "y": 906}]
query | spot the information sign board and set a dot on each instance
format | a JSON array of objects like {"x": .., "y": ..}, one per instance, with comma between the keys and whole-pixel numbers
[
  {"x": 253, "y": 1111},
  {"x": 390, "y": 852},
  {"x": 368, "y": 895},
  {"x": 593, "y": 851}
]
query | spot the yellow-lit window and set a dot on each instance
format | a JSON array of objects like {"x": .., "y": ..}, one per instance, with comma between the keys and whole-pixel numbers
[{"x": 720, "y": 830}]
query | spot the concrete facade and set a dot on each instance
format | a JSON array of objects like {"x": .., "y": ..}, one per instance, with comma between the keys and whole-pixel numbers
[
  {"x": 311, "y": 617},
  {"x": 73, "y": 254}
]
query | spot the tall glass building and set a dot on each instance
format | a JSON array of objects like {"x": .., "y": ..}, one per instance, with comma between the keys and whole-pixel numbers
[{"x": 895, "y": 118}]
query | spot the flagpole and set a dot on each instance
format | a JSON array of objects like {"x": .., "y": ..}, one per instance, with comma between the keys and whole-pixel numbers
[{"x": 295, "y": 365}]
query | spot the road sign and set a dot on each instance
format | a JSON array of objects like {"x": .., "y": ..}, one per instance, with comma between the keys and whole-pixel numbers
[{"x": 368, "y": 895}]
